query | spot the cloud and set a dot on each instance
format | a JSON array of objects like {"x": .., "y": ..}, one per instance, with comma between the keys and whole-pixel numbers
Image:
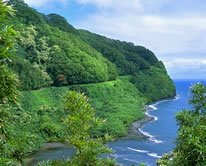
[
  {"x": 164, "y": 26},
  {"x": 187, "y": 63},
  {"x": 110, "y": 4},
  {"x": 186, "y": 67},
  {"x": 44, "y": 3}
]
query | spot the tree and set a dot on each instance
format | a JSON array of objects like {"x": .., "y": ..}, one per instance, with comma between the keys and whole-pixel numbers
[
  {"x": 8, "y": 81},
  {"x": 191, "y": 140},
  {"x": 81, "y": 120}
]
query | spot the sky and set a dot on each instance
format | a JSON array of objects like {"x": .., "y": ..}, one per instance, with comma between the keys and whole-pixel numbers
[{"x": 175, "y": 30}]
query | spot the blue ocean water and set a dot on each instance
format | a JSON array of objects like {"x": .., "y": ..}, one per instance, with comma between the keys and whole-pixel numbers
[
  {"x": 162, "y": 134},
  {"x": 162, "y": 131}
]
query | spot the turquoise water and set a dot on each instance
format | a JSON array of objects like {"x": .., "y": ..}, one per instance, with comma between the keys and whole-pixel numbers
[{"x": 162, "y": 133}]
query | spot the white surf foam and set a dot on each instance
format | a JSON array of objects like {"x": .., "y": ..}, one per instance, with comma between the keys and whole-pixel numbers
[
  {"x": 116, "y": 155},
  {"x": 162, "y": 101},
  {"x": 151, "y": 137},
  {"x": 147, "y": 113},
  {"x": 177, "y": 97},
  {"x": 145, "y": 133},
  {"x": 152, "y": 107},
  {"x": 130, "y": 160},
  {"x": 138, "y": 150},
  {"x": 145, "y": 151},
  {"x": 154, "y": 155},
  {"x": 155, "y": 140}
]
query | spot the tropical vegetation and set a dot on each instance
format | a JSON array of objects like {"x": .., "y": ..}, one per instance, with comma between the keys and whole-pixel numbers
[{"x": 42, "y": 57}]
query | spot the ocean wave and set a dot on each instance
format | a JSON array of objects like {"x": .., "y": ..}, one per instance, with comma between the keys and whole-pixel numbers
[
  {"x": 177, "y": 97},
  {"x": 138, "y": 150},
  {"x": 145, "y": 133},
  {"x": 145, "y": 151},
  {"x": 155, "y": 118},
  {"x": 116, "y": 155},
  {"x": 151, "y": 137},
  {"x": 152, "y": 107},
  {"x": 155, "y": 140},
  {"x": 131, "y": 160},
  {"x": 154, "y": 155}
]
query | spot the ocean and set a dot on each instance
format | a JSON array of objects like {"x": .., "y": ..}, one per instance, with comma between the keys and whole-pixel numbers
[{"x": 162, "y": 131}]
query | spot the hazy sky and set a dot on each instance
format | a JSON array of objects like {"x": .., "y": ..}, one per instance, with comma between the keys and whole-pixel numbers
[{"x": 175, "y": 30}]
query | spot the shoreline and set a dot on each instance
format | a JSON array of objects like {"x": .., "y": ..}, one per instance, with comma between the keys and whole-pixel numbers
[{"x": 134, "y": 130}]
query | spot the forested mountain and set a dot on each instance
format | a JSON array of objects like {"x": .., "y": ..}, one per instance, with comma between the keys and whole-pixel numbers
[{"x": 51, "y": 52}]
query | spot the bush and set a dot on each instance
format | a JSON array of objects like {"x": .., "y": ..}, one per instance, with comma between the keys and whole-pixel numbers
[{"x": 81, "y": 120}]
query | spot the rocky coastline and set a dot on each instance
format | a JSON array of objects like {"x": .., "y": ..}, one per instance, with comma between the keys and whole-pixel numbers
[{"x": 133, "y": 130}]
